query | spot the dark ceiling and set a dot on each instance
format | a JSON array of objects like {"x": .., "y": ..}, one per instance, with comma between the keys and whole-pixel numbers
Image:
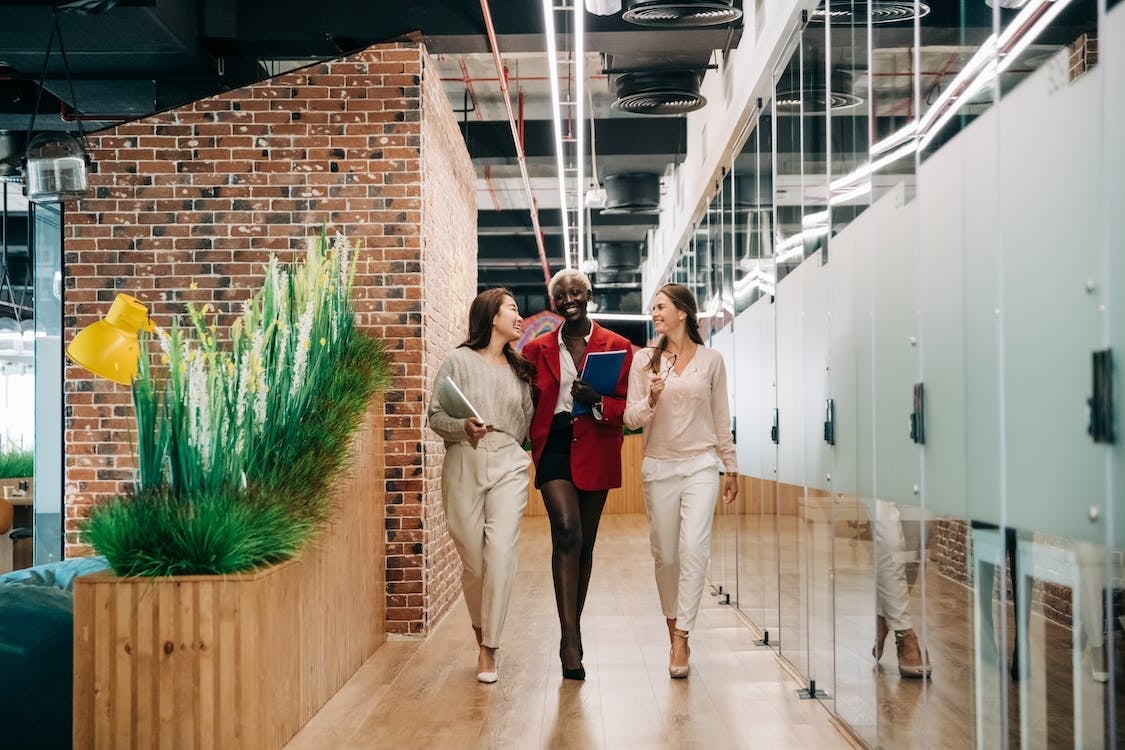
[{"x": 131, "y": 58}]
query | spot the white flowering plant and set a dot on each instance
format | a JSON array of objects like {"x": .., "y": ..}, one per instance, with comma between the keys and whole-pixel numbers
[{"x": 238, "y": 436}]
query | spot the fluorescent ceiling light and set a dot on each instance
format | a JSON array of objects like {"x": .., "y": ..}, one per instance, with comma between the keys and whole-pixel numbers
[
  {"x": 858, "y": 191},
  {"x": 864, "y": 172},
  {"x": 621, "y": 317},
  {"x": 556, "y": 110},
  {"x": 995, "y": 55},
  {"x": 579, "y": 69}
]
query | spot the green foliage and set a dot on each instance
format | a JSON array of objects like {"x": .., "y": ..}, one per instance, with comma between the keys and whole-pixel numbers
[
  {"x": 237, "y": 443},
  {"x": 16, "y": 462},
  {"x": 156, "y": 534}
]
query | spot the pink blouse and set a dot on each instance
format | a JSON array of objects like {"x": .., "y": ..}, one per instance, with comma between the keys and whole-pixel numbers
[{"x": 692, "y": 415}]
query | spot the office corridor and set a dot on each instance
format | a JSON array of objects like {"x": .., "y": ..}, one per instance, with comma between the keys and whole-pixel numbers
[{"x": 424, "y": 694}]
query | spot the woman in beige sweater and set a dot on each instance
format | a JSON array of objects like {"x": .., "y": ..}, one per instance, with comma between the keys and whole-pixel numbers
[
  {"x": 678, "y": 394},
  {"x": 484, "y": 475}
]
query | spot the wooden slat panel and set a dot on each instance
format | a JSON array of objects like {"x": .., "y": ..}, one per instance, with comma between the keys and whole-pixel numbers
[
  {"x": 84, "y": 618},
  {"x": 628, "y": 498},
  {"x": 240, "y": 661}
]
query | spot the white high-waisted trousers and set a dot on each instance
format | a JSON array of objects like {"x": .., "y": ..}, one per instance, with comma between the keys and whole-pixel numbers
[
  {"x": 680, "y": 496},
  {"x": 891, "y": 592}
]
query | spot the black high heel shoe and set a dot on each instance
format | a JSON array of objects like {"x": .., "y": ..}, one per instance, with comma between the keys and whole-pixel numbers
[{"x": 576, "y": 673}]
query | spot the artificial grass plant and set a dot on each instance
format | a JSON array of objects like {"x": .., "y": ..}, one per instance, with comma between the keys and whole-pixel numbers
[
  {"x": 239, "y": 437},
  {"x": 16, "y": 462}
]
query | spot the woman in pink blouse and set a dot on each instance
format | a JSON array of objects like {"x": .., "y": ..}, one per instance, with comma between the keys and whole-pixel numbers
[{"x": 678, "y": 394}]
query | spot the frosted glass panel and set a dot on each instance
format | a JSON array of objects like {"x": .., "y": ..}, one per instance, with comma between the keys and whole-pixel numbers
[
  {"x": 842, "y": 361},
  {"x": 1052, "y": 324},
  {"x": 1114, "y": 73},
  {"x": 818, "y": 456},
  {"x": 754, "y": 386},
  {"x": 942, "y": 296},
  {"x": 894, "y": 305},
  {"x": 791, "y": 377}
]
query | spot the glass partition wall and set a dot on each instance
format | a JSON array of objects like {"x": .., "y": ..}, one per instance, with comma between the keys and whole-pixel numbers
[{"x": 910, "y": 265}]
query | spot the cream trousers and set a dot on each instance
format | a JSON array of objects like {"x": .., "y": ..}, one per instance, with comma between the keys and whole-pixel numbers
[
  {"x": 680, "y": 496},
  {"x": 484, "y": 492},
  {"x": 892, "y": 595}
]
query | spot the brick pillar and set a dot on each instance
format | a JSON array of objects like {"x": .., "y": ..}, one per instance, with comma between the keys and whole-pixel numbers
[{"x": 188, "y": 205}]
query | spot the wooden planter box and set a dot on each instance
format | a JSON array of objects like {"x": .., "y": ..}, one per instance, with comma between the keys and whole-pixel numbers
[{"x": 240, "y": 661}]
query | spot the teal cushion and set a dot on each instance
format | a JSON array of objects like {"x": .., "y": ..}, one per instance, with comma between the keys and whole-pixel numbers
[
  {"x": 59, "y": 574},
  {"x": 36, "y": 660}
]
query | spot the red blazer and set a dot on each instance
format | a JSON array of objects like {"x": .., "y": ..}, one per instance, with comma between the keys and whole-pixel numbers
[{"x": 595, "y": 455}]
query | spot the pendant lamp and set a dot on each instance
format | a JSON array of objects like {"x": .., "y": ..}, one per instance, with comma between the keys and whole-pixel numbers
[
  {"x": 55, "y": 162},
  {"x": 110, "y": 347}
]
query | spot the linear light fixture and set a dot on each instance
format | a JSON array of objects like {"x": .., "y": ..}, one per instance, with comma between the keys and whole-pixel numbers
[
  {"x": 621, "y": 317},
  {"x": 556, "y": 112},
  {"x": 795, "y": 245},
  {"x": 864, "y": 172},
  {"x": 993, "y": 57},
  {"x": 756, "y": 278},
  {"x": 1032, "y": 21},
  {"x": 579, "y": 69}
]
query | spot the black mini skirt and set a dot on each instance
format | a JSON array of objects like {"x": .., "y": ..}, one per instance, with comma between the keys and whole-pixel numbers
[{"x": 555, "y": 461}]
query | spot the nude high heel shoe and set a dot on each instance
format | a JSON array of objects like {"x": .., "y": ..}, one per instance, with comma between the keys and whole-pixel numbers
[
  {"x": 911, "y": 661},
  {"x": 484, "y": 673},
  {"x": 679, "y": 668}
]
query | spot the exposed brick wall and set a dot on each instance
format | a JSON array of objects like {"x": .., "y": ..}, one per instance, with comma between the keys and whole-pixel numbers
[
  {"x": 449, "y": 271},
  {"x": 950, "y": 550},
  {"x": 204, "y": 193},
  {"x": 953, "y": 555}
]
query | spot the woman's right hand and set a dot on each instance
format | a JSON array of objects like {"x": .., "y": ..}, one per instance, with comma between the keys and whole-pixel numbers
[
  {"x": 475, "y": 430},
  {"x": 655, "y": 388}
]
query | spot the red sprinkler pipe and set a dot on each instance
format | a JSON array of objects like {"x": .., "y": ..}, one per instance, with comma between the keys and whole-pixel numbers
[{"x": 520, "y": 156}]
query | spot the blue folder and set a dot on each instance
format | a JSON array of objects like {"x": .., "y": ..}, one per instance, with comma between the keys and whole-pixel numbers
[{"x": 601, "y": 371}]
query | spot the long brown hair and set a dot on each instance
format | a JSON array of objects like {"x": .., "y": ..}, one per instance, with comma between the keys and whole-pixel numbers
[
  {"x": 484, "y": 308},
  {"x": 682, "y": 298}
]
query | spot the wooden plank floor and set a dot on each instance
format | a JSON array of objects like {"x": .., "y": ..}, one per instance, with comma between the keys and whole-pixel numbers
[{"x": 423, "y": 693}]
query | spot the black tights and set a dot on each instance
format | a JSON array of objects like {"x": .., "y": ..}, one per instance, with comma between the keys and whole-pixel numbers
[{"x": 574, "y": 516}]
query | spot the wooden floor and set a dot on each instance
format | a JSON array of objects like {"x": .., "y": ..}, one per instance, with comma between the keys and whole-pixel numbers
[{"x": 423, "y": 693}]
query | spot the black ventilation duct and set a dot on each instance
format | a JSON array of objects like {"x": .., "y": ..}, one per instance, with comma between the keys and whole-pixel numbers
[
  {"x": 681, "y": 13},
  {"x": 617, "y": 256},
  {"x": 670, "y": 92},
  {"x": 632, "y": 193},
  {"x": 813, "y": 96},
  {"x": 12, "y": 144},
  {"x": 851, "y": 13}
]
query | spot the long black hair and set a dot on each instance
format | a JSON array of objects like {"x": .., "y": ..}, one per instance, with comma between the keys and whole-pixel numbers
[
  {"x": 682, "y": 298},
  {"x": 484, "y": 308}
]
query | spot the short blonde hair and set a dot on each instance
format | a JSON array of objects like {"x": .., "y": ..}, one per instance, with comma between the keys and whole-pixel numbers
[{"x": 568, "y": 274}]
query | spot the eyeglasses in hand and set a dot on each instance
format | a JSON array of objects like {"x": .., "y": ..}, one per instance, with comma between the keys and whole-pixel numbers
[{"x": 665, "y": 372}]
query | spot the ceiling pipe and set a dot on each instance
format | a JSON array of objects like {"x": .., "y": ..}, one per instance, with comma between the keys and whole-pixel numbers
[
  {"x": 468, "y": 81},
  {"x": 66, "y": 114},
  {"x": 491, "y": 186},
  {"x": 501, "y": 72}
]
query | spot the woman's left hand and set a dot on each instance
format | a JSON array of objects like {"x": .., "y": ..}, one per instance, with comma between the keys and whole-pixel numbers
[{"x": 730, "y": 488}]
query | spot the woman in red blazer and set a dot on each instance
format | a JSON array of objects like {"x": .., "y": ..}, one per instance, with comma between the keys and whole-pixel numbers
[{"x": 577, "y": 459}]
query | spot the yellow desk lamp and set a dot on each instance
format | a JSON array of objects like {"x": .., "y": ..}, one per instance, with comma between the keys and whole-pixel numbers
[{"x": 110, "y": 347}]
